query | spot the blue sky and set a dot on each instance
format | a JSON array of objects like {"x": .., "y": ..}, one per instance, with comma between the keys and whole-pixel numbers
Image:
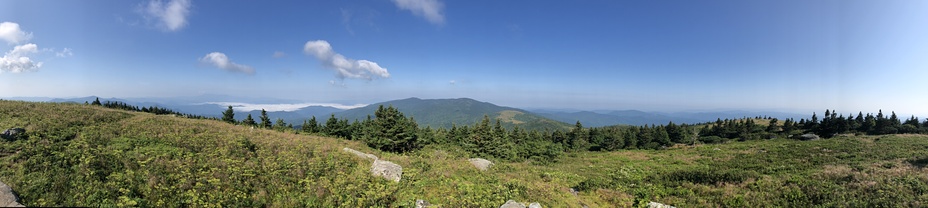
[{"x": 662, "y": 55}]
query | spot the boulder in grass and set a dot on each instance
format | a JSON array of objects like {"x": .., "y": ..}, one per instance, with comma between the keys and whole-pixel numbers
[
  {"x": 13, "y": 134},
  {"x": 512, "y": 204},
  {"x": 422, "y": 203},
  {"x": 480, "y": 163},
  {"x": 386, "y": 169},
  {"x": 360, "y": 154},
  {"x": 658, "y": 205},
  {"x": 7, "y": 197}
]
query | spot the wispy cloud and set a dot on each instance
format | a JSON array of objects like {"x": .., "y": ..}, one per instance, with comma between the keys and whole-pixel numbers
[
  {"x": 344, "y": 67},
  {"x": 171, "y": 15},
  {"x": 12, "y": 34},
  {"x": 431, "y": 10},
  {"x": 278, "y": 54},
  {"x": 220, "y": 60},
  {"x": 245, "y": 107},
  {"x": 66, "y": 52}
]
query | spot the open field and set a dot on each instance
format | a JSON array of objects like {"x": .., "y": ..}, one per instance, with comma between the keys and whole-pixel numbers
[{"x": 81, "y": 155}]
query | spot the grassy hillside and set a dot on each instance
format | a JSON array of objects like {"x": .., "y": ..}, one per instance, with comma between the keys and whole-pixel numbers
[
  {"x": 79, "y": 155},
  {"x": 443, "y": 113}
]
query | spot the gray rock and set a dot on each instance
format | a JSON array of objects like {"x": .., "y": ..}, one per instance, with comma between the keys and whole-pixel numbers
[
  {"x": 658, "y": 205},
  {"x": 7, "y": 198},
  {"x": 573, "y": 191},
  {"x": 534, "y": 205},
  {"x": 808, "y": 137},
  {"x": 512, "y": 204},
  {"x": 13, "y": 134},
  {"x": 360, "y": 154},
  {"x": 422, "y": 203},
  {"x": 480, "y": 163},
  {"x": 387, "y": 169}
]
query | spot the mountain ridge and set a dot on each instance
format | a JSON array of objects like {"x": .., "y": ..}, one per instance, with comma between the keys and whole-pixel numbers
[{"x": 445, "y": 113}]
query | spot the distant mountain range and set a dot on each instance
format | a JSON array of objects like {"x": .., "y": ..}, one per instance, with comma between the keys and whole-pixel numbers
[
  {"x": 443, "y": 113},
  {"x": 437, "y": 113},
  {"x": 635, "y": 117}
]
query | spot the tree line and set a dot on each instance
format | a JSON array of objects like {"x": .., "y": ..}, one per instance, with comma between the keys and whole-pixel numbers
[
  {"x": 150, "y": 109},
  {"x": 389, "y": 130}
]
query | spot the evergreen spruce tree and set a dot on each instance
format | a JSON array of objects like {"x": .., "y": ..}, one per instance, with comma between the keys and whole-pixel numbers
[
  {"x": 280, "y": 125},
  {"x": 265, "y": 121},
  {"x": 331, "y": 126},
  {"x": 249, "y": 121},
  {"x": 229, "y": 115},
  {"x": 391, "y": 131}
]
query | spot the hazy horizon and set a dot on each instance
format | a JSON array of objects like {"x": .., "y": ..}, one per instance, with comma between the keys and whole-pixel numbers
[{"x": 788, "y": 56}]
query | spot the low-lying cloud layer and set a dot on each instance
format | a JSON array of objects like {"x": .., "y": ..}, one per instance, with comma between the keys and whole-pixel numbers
[
  {"x": 246, "y": 107},
  {"x": 344, "y": 67},
  {"x": 220, "y": 60}
]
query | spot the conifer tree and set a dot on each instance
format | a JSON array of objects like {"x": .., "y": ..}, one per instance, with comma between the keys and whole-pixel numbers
[
  {"x": 280, "y": 125},
  {"x": 265, "y": 121},
  {"x": 310, "y": 126},
  {"x": 249, "y": 121},
  {"x": 229, "y": 115},
  {"x": 391, "y": 131}
]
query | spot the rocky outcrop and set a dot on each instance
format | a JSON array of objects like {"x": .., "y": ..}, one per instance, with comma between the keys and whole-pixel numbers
[
  {"x": 807, "y": 137},
  {"x": 7, "y": 197},
  {"x": 13, "y": 134},
  {"x": 514, "y": 204},
  {"x": 387, "y": 169},
  {"x": 360, "y": 154},
  {"x": 658, "y": 205},
  {"x": 480, "y": 163}
]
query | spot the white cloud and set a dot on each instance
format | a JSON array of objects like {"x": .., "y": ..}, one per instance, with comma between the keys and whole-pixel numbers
[
  {"x": 245, "y": 107},
  {"x": 10, "y": 32},
  {"x": 431, "y": 10},
  {"x": 278, "y": 54},
  {"x": 17, "y": 61},
  {"x": 171, "y": 15},
  {"x": 344, "y": 67},
  {"x": 452, "y": 82},
  {"x": 220, "y": 60},
  {"x": 66, "y": 52}
]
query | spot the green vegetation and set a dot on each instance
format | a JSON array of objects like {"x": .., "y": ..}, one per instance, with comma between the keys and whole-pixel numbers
[
  {"x": 445, "y": 113},
  {"x": 88, "y": 155}
]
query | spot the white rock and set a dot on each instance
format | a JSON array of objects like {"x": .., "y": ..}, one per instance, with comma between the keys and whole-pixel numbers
[
  {"x": 480, "y": 163},
  {"x": 360, "y": 154},
  {"x": 387, "y": 169},
  {"x": 7, "y": 198}
]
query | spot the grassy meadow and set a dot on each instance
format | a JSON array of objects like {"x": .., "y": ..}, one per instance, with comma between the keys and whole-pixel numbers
[{"x": 82, "y": 155}]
